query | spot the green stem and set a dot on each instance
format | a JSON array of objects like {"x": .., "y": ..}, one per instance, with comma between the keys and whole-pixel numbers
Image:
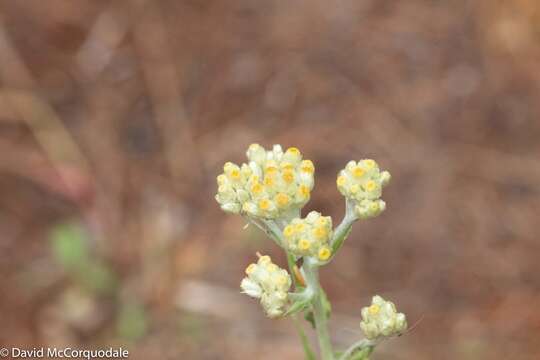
[
  {"x": 319, "y": 312},
  {"x": 310, "y": 355},
  {"x": 305, "y": 342},
  {"x": 344, "y": 228}
]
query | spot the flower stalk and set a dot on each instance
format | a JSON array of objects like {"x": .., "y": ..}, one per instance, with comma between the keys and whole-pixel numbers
[
  {"x": 319, "y": 310},
  {"x": 269, "y": 192},
  {"x": 345, "y": 227}
]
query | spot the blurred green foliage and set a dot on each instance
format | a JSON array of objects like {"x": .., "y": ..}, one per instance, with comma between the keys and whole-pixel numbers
[
  {"x": 71, "y": 249},
  {"x": 132, "y": 321}
]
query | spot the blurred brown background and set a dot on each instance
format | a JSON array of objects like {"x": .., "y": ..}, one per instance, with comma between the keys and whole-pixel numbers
[{"x": 116, "y": 116}]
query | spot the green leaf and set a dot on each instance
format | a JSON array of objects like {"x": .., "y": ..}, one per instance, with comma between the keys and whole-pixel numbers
[
  {"x": 340, "y": 240},
  {"x": 308, "y": 315},
  {"x": 298, "y": 306}
]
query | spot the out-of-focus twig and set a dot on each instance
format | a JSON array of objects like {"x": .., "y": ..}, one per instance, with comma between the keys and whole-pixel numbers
[
  {"x": 163, "y": 83},
  {"x": 18, "y": 96}
]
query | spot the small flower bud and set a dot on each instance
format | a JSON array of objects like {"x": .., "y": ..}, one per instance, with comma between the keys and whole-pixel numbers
[{"x": 381, "y": 319}]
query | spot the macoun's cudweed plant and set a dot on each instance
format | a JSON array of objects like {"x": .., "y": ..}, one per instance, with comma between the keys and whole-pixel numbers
[{"x": 269, "y": 191}]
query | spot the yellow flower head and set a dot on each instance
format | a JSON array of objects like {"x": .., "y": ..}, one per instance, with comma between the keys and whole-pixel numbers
[
  {"x": 381, "y": 320},
  {"x": 269, "y": 283},
  {"x": 309, "y": 236},
  {"x": 272, "y": 183},
  {"x": 362, "y": 183}
]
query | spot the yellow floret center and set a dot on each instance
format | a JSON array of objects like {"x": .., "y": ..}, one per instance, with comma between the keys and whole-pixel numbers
[
  {"x": 304, "y": 244},
  {"x": 320, "y": 232},
  {"x": 282, "y": 280},
  {"x": 293, "y": 150},
  {"x": 254, "y": 178},
  {"x": 268, "y": 181},
  {"x": 256, "y": 188},
  {"x": 370, "y": 164},
  {"x": 235, "y": 174},
  {"x": 324, "y": 253},
  {"x": 288, "y": 176},
  {"x": 303, "y": 190},
  {"x": 307, "y": 166},
  {"x": 288, "y": 231},
  {"x": 282, "y": 199},
  {"x": 272, "y": 268},
  {"x": 341, "y": 180},
  {"x": 370, "y": 185},
  {"x": 250, "y": 269},
  {"x": 358, "y": 172},
  {"x": 264, "y": 204},
  {"x": 374, "y": 309}
]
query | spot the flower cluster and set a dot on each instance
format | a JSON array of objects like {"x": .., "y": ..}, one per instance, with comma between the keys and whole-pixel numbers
[
  {"x": 381, "y": 319},
  {"x": 271, "y": 184},
  {"x": 269, "y": 283},
  {"x": 309, "y": 236},
  {"x": 362, "y": 182}
]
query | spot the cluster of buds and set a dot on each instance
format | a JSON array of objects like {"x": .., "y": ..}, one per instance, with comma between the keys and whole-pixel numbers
[
  {"x": 381, "y": 320},
  {"x": 309, "y": 236},
  {"x": 362, "y": 182},
  {"x": 269, "y": 283},
  {"x": 270, "y": 185},
  {"x": 269, "y": 191}
]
